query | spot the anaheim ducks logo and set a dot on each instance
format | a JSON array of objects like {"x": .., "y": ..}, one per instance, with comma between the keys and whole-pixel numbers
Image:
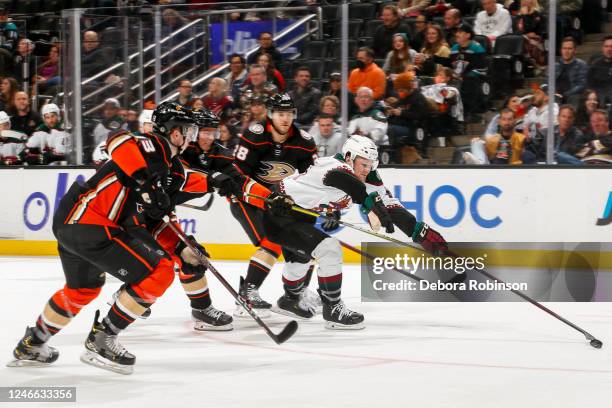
[{"x": 273, "y": 172}]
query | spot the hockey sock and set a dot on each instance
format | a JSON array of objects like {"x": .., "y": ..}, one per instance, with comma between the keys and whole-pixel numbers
[
  {"x": 127, "y": 308},
  {"x": 294, "y": 276},
  {"x": 196, "y": 289},
  {"x": 259, "y": 267},
  {"x": 308, "y": 277},
  {"x": 60, "y": 309},
  {"x": 329, "y": 255}
]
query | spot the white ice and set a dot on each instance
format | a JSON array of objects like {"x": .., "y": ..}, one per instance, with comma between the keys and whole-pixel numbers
[{"x": 409, "y": 355}]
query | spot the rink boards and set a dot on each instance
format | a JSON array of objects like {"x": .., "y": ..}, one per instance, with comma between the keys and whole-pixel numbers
[{"x": 475, "y": 205}]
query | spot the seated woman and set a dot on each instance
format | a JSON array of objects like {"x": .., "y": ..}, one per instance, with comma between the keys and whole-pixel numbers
[
  {"x": 435, "y": 52},
  {"x": 400, "y": 58},
  {"x": 48, "y": 74}
]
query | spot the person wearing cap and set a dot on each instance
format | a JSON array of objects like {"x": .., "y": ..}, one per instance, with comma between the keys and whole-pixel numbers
[
  {"x": 111, "y": 121},
  {"x": 367, "y": 74},
  {"x": 335, "y": 85},
  {"x": 12, "y": 142},
  {"x": 49, "y": 143},
  {"x": 305, "y": 97},
  {"x": 536, "y": 117},
  {"x": 8, "y": 41},
  {"x": 23, "y": 119},
  {"x": 469, "y": 63},
  {"x": 493, "y": 21}
]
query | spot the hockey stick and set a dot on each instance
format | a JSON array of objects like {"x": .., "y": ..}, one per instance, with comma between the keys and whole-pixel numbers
[
  {"x": 593, "y": 341},
  {"x": 203, "y": 207},
  {"x": 288, "y": 331}
]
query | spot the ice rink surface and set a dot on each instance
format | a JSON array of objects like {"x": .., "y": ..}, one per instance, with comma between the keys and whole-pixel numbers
[{"x": 409, "y": 355}]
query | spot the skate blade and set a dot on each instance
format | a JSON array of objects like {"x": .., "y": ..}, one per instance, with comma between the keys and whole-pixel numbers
[
  {"x": 339, "y": 326},
  {"x": 27, "y": 363},
  {"x": 91, "y": 358},
  {"x": 284, "y": 312},
  {"x": 202, "y": 326},
  {"x": 240, "y": 313}
]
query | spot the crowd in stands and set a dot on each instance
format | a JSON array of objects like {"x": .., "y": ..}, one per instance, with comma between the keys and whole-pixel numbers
[{"x": 425, "y": 70}]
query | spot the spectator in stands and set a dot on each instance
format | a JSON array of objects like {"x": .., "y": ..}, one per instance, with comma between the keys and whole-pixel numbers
[
  {"x": 8, "y": 88},
  {"x": 367, "y": 74},
  {"x": 589, "y": 102},
  {"x": 330, "y": 105},
  {"x": 569, "y": 140},
  {"x": 435, "y": 52},
  {"x": 516, "y": 104},
  {"x": 439, "y": 7},
  {"x": 23, "y": 119},
  {"x": 383, "y": 35},
  {"x": 571, "y": 73},
  {"x": 172, "y": 22},
  {"x": 48, "y": 74},
  {"x": 600, "y": 72},
  {"x": 238, "y": 73},
  {"x": 406, "y": 112},
  {"x": 227, "y": 136},
  {"x": 507, "y": 145},
  {"x": 452, "y": 20},
  {"x": 599, "y": 147},
  {"x": 13, "y": 142},
  {"x": 400, "y": 58},
  {"x": 266, "y": 44},
  {"x": 530, "y": 23},
  {"x": 444, "y": 97},
  {"x": 24, "y": 64},
  {"x": 412, "y": 8},
  {"x": 420, "y": 31},
  {"x": 327, "y": 135},
  {"x": 494, "y": 20},
  {"x": 537, "y": 116},
  {"x": 111, "y": 121},
  {"x": 49, "y": 144},
  {"x": 184, "y": 93},
  {"x": 335, "y": 85},
  {"x": 8, "y": 41},
  {"x": 258, "y": 85},
  {"x": 216, "y": 99},
  {"x": 305, "y": 97},
  {"x": 93, "y": 58},
  {"x": 197, "y": 104},
  {"x": 469, "y": 64},
  {"x": 273, "y": 74},
  {"x": 370, "y": 120},
  {"x": 256, "y": 111}
]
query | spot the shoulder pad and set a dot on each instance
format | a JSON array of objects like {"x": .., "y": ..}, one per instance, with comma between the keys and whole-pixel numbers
[
  {"x": 256, "y": 128},
  {"x": 374, "y": 178}
]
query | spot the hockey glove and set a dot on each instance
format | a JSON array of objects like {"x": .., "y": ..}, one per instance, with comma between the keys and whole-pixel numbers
[
  {"x": 331, "y": 221},
  {"x": 279, "y": 204},
  {"x": 374, "y": 203},
  {"x": 191, "y": 261},
  {"x": 154, "y": 200},
  {"x": 429, "y": 239},
  {"x": 223, "y": 183}
]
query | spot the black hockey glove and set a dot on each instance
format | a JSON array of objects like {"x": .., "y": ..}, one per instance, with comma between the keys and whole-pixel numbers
[
  {"x": 223, "y": 183},
  {"x": 331, "y": 222},
  {"x": 429, "y": 239},
  {"x": 374, "y": 203},
  {"x": 154, "y": 200},
  {"x": 191, "y": 261},
  {"x": 279, "y": 204}
]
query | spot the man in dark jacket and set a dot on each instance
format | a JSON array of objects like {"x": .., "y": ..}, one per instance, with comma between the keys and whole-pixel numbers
[
  {"x": 569, "y": 140},
  {"x": 392, "y": 24},
  {"x": 305, "y": 97},
  {"x": 571, "y": 72},
  {"x": 266, "y": 45},
  {"x": 600, "y": 72}
]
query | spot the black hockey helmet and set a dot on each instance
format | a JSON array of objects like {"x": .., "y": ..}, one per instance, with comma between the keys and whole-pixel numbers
[
  {"x": 204, "y": 118},
  {"x": 169, "y": 115},
  {"x": 280, "y": 102}
]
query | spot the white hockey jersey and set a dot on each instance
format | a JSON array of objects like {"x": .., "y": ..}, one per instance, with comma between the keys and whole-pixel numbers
[
  {"x": 12, "y": 143},
  {"x": 496, "y": 24},
  {"x": 308, "y": 189},
  {"x": 55, "y": 140}
]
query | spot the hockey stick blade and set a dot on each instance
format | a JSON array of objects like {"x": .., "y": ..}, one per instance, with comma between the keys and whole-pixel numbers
[{"x": 288, "y": 331}]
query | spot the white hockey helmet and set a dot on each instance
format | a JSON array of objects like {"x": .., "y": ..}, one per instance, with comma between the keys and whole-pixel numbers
[
  {"x": 365, "y": 147},
  {"x": 50, "y": 108},
  {"x": 4, "y": 118},
  {"x": 145, "y": 117}
]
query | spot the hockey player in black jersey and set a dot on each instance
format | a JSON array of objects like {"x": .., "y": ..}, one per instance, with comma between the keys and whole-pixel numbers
[{"x": 267, "y": 153}]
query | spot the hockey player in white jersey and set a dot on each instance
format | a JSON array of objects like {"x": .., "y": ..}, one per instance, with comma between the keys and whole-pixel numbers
[
  {"x": 12, "y": 142},
  {"x": 331, "y": 185},
  {"x": 50, "y": 143}
]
